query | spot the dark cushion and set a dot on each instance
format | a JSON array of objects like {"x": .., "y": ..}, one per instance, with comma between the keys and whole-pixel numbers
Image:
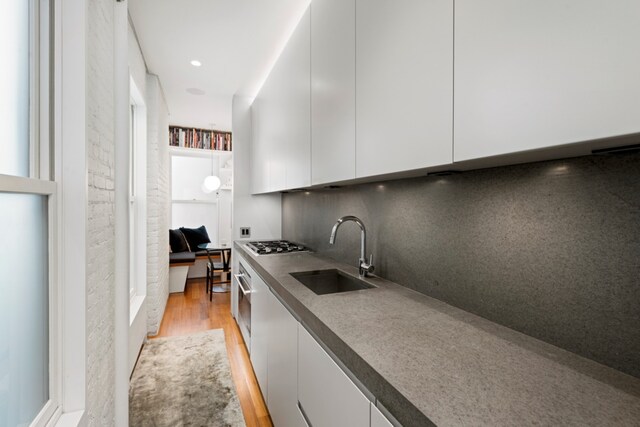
[
  {"x": 178, "y": 242},
  {"x": 195, "y": 236},
  {"x": 182, "y": 257}
]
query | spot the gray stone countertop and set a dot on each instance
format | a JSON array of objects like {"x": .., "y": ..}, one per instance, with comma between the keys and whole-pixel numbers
[{"x": 430, "y": 363}]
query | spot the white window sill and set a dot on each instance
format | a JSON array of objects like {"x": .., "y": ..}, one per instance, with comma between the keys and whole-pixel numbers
[
  {"x": 134, "y": 306},
  {"x": 70, "y": 419}
]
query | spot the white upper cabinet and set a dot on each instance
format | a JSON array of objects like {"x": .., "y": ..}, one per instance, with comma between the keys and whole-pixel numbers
[
  {"x": 333, "y": 80},
  {"x": 297, "y": 55},
  {"x": 404, "y": 85},
  {"x": 281, "y": 151},
  {"x": 269, "y": 135},
  {"x": 259, "y": 161},
  {"x": 531, "y": 74}
]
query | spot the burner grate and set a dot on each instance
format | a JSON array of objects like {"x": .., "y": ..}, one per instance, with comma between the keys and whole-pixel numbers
[{"x": 271, "y": 247}]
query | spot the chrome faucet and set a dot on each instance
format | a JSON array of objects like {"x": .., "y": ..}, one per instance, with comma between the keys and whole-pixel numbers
[{"x": 364, "y": 267}]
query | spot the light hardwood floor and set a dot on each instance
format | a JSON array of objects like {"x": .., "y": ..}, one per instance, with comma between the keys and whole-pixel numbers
[{"x": 191, "y": 312}]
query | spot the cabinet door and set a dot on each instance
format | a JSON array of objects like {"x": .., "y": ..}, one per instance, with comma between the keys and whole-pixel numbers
[
  {"x": 532, "y": 74},
  {"x": 282, "y": 367},
  {"x": 282, "y": 152},
  {"x": 333, "y": 103},
  {"x": 377, "y": 419},
  {"x": 269, "y": 171},
  {"x": 260, "y": 318},
  {"x": 404, "y": 85},
  {"x": 259, "y": 152},
  {"x": 234, "y": 296},
  {"x": 325, "y": 393},
  {"x": 296, "y": 59}
]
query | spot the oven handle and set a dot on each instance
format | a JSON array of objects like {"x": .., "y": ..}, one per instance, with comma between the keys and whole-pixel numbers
[{"x": 244, "y": 291}]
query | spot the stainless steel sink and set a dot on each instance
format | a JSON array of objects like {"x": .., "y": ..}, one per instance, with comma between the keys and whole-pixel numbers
[{"x": 332, "y": 281}]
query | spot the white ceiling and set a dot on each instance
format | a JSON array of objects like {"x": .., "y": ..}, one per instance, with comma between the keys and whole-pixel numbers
[{"x": 237, "y": 42}]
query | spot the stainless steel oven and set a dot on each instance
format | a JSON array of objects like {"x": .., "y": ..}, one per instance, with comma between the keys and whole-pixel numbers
[{"x": 243, "y": 279}]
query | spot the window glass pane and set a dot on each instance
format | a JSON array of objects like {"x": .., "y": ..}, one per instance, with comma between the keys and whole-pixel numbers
[
  {"x": 132, "y": 151},
  {"x": 14, "y": 88},
  {"x": 24, "y": 308}
]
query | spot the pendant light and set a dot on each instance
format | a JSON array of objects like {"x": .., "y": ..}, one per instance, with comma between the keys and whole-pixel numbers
[{"x": 211, "y": 183}]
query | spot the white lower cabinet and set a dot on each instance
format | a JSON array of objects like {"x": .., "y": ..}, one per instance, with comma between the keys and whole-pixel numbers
[
  {"x": 326, "y": 395},
  {"x": 299, "y": 381},
  {"x": 377, "y": 419},
  {"x": 274, "y": 354},
  {"x": 282, "y": 366},
  {"x": 260, "y": 318}
]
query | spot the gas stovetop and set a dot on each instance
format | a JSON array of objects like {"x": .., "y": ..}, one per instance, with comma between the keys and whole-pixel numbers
[{"x": 274, "y": 247}]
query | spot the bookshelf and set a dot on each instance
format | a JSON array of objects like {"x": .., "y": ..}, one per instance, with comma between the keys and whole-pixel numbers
[{"x": 203, "y": 139}]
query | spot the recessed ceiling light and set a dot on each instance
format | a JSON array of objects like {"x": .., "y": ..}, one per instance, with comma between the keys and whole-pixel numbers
[
  {"x": 196, "y": 63},
  {"x": 195, "y": 91}
]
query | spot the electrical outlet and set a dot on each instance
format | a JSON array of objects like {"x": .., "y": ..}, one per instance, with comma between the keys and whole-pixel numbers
[{"x": 245, "y": 232}]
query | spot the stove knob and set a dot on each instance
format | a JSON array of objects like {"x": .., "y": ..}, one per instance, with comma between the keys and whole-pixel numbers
[{"x": 279, "y": 249}]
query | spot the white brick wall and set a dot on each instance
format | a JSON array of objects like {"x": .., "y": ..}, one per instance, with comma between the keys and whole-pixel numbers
[
  {"x": 101, "y": 211},
  {"x": 157, "y": 204}
]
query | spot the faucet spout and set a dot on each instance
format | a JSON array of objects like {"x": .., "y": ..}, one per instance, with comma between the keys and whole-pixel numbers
[
  {"x": 364, "y": 266},
  {"x": 334, "y": 230}
]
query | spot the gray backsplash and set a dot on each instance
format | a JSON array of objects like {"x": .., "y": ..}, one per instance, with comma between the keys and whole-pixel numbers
[{"x": 551, "y": 249}]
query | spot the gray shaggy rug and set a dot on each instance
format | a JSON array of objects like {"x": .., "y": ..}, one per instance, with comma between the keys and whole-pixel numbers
[{"x": 184, "y": 381}]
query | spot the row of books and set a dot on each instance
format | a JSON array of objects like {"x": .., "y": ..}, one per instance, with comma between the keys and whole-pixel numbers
[{"x": 199, "y": 138}]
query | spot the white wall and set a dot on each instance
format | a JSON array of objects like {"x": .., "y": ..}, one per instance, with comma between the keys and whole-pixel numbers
[
  {"x": 262, "y": 212},
  {"x": 102, "y": 280},
  {"x": 101, "y": 212}
]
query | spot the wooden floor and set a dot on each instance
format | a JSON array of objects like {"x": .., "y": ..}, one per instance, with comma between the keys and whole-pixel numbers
[{"x": 191, "y": 312}]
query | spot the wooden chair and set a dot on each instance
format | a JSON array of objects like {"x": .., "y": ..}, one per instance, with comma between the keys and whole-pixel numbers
[{"x": 219, "y": 267}]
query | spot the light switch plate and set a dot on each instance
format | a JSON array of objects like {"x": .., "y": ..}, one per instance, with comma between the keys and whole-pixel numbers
[{"x": 245, "y": 232}]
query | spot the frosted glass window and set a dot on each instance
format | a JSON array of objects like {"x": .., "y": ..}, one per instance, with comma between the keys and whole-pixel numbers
[
  {"x": 193, "y": 215},
  {"x": 188, "y": 174},
  {"x": 24, "y": 308},
  {"x": 14, "y": 88}
]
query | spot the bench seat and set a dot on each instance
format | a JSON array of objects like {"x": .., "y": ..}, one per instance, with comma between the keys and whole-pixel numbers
[
  {"x": 182, "y": 258},
  {"x": 179, "y": 263}
]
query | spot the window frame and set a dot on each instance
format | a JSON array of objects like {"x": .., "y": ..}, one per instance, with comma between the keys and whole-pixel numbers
[
  {"x": 132, "y": 198},
  {"x": 40, "y": 181},
  {"x": 68, "y": 167},
  {"x": 137, "y": 198}
]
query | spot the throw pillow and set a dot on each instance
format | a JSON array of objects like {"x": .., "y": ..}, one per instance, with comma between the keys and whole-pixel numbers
[
  {"x": 196, "y": 236},
  {"x": 178, "y": 242}
]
